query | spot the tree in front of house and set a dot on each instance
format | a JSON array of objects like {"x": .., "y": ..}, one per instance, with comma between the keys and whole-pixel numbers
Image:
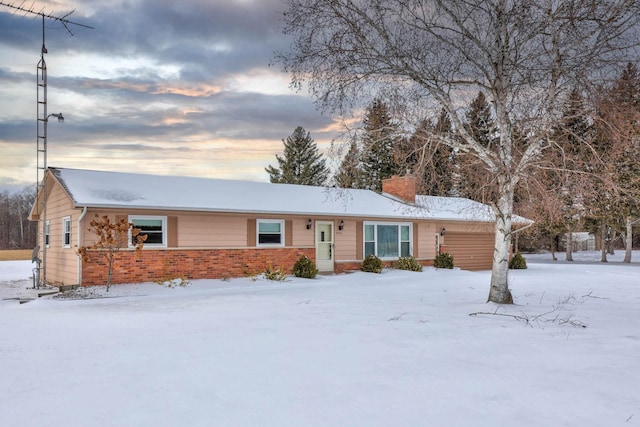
[
  {"x": 301, "y": 163},
  {"x": 525, "y": 56},
  {"x": 111, "y": 237}
]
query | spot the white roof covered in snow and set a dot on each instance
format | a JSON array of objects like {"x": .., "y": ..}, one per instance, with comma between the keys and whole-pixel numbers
[{"x": 138, "y": 191}]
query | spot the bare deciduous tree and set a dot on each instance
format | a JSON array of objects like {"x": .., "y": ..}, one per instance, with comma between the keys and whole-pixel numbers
[
  {"x": 524, "y": 56},
  {"x": 111, "y": 238}
]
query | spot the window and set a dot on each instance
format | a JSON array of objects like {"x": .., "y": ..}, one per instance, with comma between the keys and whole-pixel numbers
[
  {"x": 387, "y": 240},
  {"x": 154, "y": 227},
  {"x": 66, "y": 232},
  {"x": 47, "y": 233},
  {"x": 270, "y": 232}
]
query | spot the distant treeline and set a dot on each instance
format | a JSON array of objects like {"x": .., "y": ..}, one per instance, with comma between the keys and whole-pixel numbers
[{"x": 16, "y": 231}]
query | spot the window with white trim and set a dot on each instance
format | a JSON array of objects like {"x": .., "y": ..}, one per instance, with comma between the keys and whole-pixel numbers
[
  {"x": 154, "y": 227},
  {"x": 388, "y": 240},
  {"x": 66, "y": 232},
  {"x": 47, "y": 233},
  {"x": 270, "y": 232}
]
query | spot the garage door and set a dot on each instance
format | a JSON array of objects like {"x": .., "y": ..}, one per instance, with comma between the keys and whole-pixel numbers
[{"x": 471, "y": 251}]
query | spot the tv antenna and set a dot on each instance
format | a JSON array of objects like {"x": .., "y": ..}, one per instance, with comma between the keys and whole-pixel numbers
[{"x": 42, "y": 121}]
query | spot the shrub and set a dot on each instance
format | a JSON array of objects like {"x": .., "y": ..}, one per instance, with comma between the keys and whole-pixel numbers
[
  {"x": 518, "y": 262},
  {"x": 408, "y": 263},
  {"x": 173, "y": 282},
  {"x": 444, "y": 260},
  {"x": 371, "y": 264},
  {"x": 274, "y": 274},
  {"x": 305, "y": 268}
]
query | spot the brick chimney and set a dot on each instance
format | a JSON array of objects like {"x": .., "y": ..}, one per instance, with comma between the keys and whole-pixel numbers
[{"x": 402, "y": 187}]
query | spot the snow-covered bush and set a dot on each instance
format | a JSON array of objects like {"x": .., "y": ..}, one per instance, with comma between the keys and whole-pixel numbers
[
  {"x": 371, "y": 264},
  {"x": 275, "y": 274},
  {"x": 305, "y": 268},
  {"x": 408, "y": 263},
  {"x": 444, "y": 260}
]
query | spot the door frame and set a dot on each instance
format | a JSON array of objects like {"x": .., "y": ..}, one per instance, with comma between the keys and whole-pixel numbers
[{"x": 332, "y": 251}]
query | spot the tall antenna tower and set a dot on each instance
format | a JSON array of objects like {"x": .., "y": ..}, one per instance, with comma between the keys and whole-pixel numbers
[{"x": 42, "y": 118}]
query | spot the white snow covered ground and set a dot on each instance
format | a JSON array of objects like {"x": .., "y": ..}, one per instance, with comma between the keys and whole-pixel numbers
[{"x": 395, "y": 349}]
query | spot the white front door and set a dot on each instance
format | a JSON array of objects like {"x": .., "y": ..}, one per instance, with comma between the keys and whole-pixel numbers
[{"x": 324, "y": 245}]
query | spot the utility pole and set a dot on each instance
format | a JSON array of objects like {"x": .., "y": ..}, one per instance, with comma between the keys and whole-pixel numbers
[{"x": 42, "y": 120}]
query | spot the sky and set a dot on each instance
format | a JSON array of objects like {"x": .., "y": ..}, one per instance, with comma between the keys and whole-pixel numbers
[{"x": 161, "y": 87}]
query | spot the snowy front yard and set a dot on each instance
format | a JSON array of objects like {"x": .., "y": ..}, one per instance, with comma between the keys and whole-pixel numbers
[{"x": 396, "y": 349}]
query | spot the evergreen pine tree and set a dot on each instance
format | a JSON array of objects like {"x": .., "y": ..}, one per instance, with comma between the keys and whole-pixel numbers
[
  {"x": 474, "y": 181},
  {"x": 301, "y": 164},
  {"x": 573, "y": 134},
  {"x": 429, "y": 160},
  {"x": 349, "y": 173},
  {"x": 619, "y": 146},
  {"x": 378, "y": 145}
]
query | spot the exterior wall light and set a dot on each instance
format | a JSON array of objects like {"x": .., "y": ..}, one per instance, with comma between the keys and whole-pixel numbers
[
  {"x": 443, "y": 231},
  {"x": 341, "y": 225},
  {"x": 309, "y": 224}
]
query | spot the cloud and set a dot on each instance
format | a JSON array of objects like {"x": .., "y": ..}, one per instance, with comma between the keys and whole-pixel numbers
[{"x": 163, "y": 86}]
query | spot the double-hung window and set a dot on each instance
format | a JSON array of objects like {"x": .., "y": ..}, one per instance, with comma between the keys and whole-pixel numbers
[
  {"x": 270, "y": 232},
  {"x": 66, "y": 232},
  {"x": 154, "y": 227},
  {"x": 387, "y": 240}
]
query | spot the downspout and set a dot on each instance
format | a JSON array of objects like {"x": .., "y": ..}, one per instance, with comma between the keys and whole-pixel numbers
[
  {"x": 80, "y": 218},
  {"x": 522, "y": 229}
]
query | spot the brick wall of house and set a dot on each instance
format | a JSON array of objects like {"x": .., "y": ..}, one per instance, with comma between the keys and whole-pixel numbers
[{"x": 150, "y": 265}]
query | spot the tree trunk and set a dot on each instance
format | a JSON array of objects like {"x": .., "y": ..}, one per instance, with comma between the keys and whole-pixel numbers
[
  {"x": 569, "y": 248},
  {"x": 110, "y": 270},
  {"x": 603, "y": 243},
  {"x": 554, "y": 248},
  {"x": 628, "y": 241},
  {"x": 612, "y": 239},
  {"x": 499, "y": 291}
]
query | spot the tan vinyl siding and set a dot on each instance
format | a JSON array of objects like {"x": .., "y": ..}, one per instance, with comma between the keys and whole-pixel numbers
[
  {"x": 223, "y": 231},
  {"x": 172, "y": 232},
  {"x": 251, "y": 233},
  {"x": 359, "y": 240},
  {"x": 426, "y": 246},
  {"x": 346, "y": 241},
  {"x": 62, "y": 262},
  {"x": 288, "y": 233}
]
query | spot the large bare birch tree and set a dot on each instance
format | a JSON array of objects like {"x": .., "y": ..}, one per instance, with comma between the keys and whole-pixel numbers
[{"x": 524, "y": 55}]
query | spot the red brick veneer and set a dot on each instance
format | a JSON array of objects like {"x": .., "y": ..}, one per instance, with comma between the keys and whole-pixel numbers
[{"x": 159, "y": 264}]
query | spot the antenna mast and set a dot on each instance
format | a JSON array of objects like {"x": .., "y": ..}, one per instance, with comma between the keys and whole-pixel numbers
[{"x": 41, "y": 140}]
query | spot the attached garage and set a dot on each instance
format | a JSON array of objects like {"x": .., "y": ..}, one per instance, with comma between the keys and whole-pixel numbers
[{"x": 470, "y": 251}]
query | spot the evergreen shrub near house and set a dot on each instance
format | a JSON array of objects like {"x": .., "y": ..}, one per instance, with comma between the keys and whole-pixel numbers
[
  {"x": 371, "y": 264},
  {"x": 444, "y": 260},
  {"x": 518, "y": 262},
  {"x": 408, "y": 263},
  {"x": 305, "y": 268}
]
